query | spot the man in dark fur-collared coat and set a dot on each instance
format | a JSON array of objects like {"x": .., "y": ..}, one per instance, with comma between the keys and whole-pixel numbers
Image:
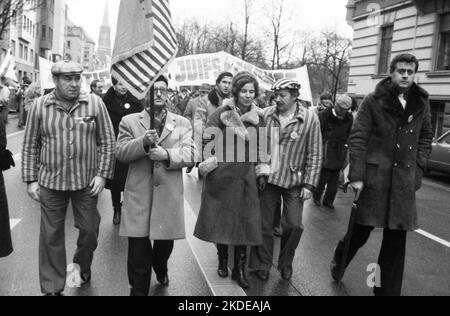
[{"x": 389, "y": 148}]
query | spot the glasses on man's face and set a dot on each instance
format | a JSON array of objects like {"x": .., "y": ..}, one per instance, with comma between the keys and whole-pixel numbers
[
  {"x": 161, "y": 91},
  {"x": 406, "y": 71}
]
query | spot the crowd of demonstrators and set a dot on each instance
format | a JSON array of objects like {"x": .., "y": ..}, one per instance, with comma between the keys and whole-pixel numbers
[
  {"x": 336, "y": 125},
  {"x": 20, "y": 97},
  {"x": 69, "y": 164},
  {"x": 389, "y": 148},
  {"x": 153, "y": 201},
  {"x": 230, "y": 212},
  {"x": 140, "y": 149},
  {"x": 119, "y": 103},
  {"x": 6, "y": 247}
]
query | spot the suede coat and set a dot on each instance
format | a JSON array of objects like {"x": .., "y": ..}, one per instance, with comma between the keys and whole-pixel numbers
[
  {"x": 389, "y": 149},
  {"x": 154, "y": 194},
  {"x": 230, "y": 211},
  {"x": 5, "y": 231}
]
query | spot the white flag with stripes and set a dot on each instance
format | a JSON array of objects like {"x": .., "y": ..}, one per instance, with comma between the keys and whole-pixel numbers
[{"x": 145, "y": 44}]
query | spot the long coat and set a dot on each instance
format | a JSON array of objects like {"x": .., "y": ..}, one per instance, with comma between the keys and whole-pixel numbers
[
  {"x": 230, "y": 209},
  {"x": 154, "y": 199},
  {"x": 389, "y": 150},
  {"x": 5, "y": 231},
  {"x": 335, "y": 133},
  {"x": 119, "y": 107}
]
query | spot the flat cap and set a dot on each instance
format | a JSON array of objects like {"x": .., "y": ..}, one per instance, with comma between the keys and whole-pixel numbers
[
  {"x": 205, "y": 88},
  {"x": 286, "y": 84},
  {"x": 66, "y": 68},
  {"x": 344, "y": 102}
]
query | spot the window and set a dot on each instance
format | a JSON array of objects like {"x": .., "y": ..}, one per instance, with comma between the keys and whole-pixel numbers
[
  {"x": 44, "y": 28},
  {"x": 13, "y": 48},
  {"x": 387, "y": 34},
  {"x": 443, "y": 58},
  {"x": 20, "y": 51}
]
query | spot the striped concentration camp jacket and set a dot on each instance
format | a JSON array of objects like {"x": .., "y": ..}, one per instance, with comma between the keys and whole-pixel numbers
[
  {"x": 296, "y": 159},
  {"x": 64, "y": 150}
]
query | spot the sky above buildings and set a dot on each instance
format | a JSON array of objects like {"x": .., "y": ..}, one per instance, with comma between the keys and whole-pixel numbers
[{"x": 305, "y": 14}]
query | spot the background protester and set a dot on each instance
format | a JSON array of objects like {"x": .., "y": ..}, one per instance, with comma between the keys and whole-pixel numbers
[
  {"x": 85, "y": 152},
  {"x": 216, "y": 97},
  {"x": 120, "y": 103},
  {"x": 153, "y": 207},
  {"x": 21, "y": 96},
  {"x": 230, "y": 214},
  {"x": 326, "y": 102},
  {"x": 389, "y": 149},
  {"x": 294, "y": 178},
  {"x": 4, "y": 100},
  {"x": 33, "y": 92},
  {"x": 97, "y": 88},
  {"x": 336, "y": 124},
  {"x": 5, "y": 232}
]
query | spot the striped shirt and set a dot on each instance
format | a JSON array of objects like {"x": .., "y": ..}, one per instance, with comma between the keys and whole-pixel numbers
[
  {"x": 298, "y": 158},
  {"x": 65, "y": 149}
]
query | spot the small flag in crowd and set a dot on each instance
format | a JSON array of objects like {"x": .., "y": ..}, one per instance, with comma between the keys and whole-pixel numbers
[
  {"x": 145, "y": 44},
  {"x": 7, "y": 67}
]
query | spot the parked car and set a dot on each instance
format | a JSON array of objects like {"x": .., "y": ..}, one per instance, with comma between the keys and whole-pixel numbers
[{"x": 440, "y": 157}]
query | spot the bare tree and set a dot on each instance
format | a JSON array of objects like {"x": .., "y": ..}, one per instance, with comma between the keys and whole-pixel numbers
[
  {"x": 248, "y": 6},
  {"x": 11, "y": 11}
]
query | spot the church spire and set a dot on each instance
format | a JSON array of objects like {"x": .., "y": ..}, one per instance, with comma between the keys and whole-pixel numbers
[{"x": 106, "y": 15}]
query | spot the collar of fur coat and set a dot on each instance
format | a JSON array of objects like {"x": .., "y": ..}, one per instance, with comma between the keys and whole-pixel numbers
[{"x": 231, "y": 116}]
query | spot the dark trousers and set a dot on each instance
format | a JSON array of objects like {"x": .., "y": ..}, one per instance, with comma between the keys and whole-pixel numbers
[
  {"x": 261, "y": 257},
  {"x": 329, "y": 179},
  {"x": 52, "y": 247},
  {"x": 142, "y": 257},
  {"x": 116, "y": 197},
  {"x": 391, "y": 259}
]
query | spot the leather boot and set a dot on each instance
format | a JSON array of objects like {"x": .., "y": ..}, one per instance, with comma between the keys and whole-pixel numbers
[
  {"x": 117, "y": 215},
  {"x": 223, "y": 261},
  {"x": 240, "y": 263}
]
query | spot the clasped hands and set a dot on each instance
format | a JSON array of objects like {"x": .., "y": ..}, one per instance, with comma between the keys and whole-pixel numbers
[{"x": 156, "y": 152}]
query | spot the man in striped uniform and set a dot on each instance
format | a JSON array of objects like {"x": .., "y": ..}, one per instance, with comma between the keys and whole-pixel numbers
[
  {"x": 68, "y": 153},
  {"x": 296, "y": 154}
]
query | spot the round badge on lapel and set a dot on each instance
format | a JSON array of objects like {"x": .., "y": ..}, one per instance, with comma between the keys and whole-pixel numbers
[
  {"x": 294, "y": 136},
  {"x": 170, "y": 127},
  {"x": 127, "y": 106}
]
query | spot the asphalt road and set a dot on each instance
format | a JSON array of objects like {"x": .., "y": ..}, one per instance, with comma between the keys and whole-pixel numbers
[{"x": 192, "y": 267}]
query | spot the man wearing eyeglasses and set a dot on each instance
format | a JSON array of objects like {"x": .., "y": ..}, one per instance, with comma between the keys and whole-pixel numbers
[
  {"x": 153, "y": 208},
  {"x": 389, "y": 148}
]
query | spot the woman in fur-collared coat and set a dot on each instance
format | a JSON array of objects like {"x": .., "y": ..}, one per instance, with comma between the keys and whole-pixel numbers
[
  {"x": 5, "y": 231},
  {"x": 230, "y": 213}
]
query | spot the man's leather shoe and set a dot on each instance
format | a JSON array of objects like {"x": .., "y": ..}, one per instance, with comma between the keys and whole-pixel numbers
[
  {"x": 262, "y": 275},
  {"x": 163, "y": 279},
  {"x": 286, "y": 273},
  {"x": 317, "y": 202},
  {"x": 278, "y": 232},
  {"x": 54, "y": 294},
  {"x": 329, "y": 205},
  {"x": 117, "y": 216}
]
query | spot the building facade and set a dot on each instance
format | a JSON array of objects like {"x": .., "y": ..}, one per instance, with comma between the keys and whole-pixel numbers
[
  {"x": 385, "y": 28},
  {"x": 36, "y": 31},
  {"x": 80, "y": 47}
]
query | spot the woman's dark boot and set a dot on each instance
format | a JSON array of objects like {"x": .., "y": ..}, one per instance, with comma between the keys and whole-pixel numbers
[
  {"x": 240, "y": 263},
  {"x": 223, "y": 261}
]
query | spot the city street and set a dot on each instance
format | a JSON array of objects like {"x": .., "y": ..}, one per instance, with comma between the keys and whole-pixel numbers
[{"x": 193, "y": 265}]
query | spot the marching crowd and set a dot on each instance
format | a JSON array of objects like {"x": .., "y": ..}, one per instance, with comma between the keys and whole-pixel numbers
[{"x": 259, "y": 165}]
